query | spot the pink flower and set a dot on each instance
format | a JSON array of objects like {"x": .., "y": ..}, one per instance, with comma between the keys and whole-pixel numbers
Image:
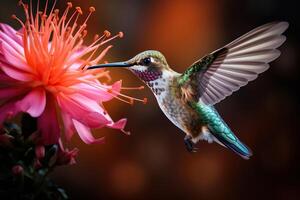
[{"x": 42, "y": 73}]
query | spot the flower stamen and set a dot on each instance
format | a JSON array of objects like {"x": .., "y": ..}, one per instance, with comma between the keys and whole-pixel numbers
[
  {"x": 127, "y": 99},
  {"x": 133, "y": 88},
  {"x": 65, "y": 41}
]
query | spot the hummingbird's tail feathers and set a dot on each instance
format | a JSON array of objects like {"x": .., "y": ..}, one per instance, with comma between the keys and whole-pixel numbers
[
  {"x": 220, "y": 130},
  {"x": 237, "y": 146}
]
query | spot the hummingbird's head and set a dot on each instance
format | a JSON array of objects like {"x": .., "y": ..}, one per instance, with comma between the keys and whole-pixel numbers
[{"x": 148, "y": 65}]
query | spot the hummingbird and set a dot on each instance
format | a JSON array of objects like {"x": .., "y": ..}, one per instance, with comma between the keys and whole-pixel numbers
[{"x": 188, "y": 99}]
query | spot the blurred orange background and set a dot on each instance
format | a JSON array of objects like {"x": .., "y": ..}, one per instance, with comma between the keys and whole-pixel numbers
[{"x": 153, "y": 163}]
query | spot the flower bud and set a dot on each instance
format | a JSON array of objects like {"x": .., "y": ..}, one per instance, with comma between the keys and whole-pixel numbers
[
  {"x": 37, "y": 164},
  {"x": 17, "y": 170},
  {"x": 66, "y": 157},
  {"x": 40, "y": 151}
]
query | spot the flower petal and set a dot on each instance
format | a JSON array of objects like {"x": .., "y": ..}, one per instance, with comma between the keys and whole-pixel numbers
[
  {"x": 10, "y": 41},
  {"x": 48, "y": 123},
  {"x": 107, "y": 96},
  {"x": 94, "y": 107},
  {"x": 13, "y": 57},
  {"x": 83, "y": 109},
  {"x": 9, "y": 92},
  {"x": 85, "y": 133},
  {"x": 96, "y": 94},
  {"x": 68, "y": 125},
  {"x": 33, "y": 103},
  {"x": 119, "y": 124},
  {"x": 11, "y": 33},
  {"x": 88, "y": 91},
  {"x": 15, "y": 73},
  {"x": 6, "y": 79}
]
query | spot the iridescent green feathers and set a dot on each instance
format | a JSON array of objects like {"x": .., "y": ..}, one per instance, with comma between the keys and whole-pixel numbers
[
  {"x": 199, "y": 66},
  {"x": 220, "y": 129}
]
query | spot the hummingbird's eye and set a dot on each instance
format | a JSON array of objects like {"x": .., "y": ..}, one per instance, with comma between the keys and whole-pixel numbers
[{"x": 147, "y": 61}]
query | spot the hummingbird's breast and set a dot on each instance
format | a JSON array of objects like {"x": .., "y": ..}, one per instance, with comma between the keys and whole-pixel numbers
[{"x": 177, "y": 111}]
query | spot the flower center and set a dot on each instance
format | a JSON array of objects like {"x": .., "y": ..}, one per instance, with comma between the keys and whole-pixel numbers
[{"x": 53, "y": 48}]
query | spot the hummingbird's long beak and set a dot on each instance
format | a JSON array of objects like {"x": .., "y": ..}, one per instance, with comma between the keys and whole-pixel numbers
[{"x": 116, "y": 64}]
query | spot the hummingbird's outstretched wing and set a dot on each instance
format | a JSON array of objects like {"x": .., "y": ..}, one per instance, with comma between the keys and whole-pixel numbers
[{"x": 219, "y": 74}]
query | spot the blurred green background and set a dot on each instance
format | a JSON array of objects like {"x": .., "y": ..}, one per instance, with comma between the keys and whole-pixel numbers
[{"x": 153, "y": 163}]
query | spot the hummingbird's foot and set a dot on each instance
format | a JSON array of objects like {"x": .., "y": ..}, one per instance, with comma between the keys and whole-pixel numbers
[{"x": 189, "y": 144}]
